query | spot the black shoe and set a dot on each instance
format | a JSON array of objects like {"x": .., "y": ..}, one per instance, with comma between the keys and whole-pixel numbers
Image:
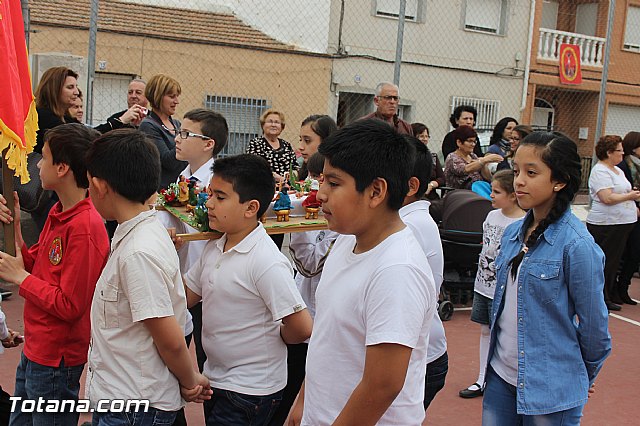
[
  {"x": 613, "y": 307},
  {"x": 628, "y": 300},
  {"x": 623, "y": 292},
  {"x": 5, "y": 293},
  {"x": 472, "y": 393}
]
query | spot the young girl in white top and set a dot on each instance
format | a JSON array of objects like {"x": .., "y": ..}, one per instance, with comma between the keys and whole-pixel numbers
[{"x": 503, "y": 199}]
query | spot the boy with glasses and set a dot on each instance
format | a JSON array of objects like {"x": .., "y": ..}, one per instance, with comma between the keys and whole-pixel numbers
[{"x": 202, "y": 136}]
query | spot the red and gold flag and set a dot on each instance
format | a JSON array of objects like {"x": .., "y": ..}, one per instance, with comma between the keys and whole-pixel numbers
[{"x": 18, "y": 116}]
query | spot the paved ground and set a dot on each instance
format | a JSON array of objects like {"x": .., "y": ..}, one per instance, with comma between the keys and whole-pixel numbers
[{"x": 614, "y": 402}]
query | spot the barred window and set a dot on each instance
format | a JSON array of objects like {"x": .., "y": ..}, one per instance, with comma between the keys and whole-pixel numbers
[
  {"x": 488, "y": 111},
  {"x": 243, "y": 119}
]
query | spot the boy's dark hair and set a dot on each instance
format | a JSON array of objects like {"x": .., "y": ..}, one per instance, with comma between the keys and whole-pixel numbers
[
  {"x": 69, "y": 144},
  {"x": 560, "y": 154},
  {"x": 315, "y": 164},
  {"x": 422, "y": 164},
  {"x": 250, "y": 176},
  {"x": 128, "y": 162},
  {"x": 213, "y": 125},
  {"x": 370, "y": 149},
  {"x": 458, "y": 112}
]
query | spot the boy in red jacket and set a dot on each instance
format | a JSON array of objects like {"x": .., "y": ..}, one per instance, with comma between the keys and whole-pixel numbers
[{"x": 57, "y": 277}]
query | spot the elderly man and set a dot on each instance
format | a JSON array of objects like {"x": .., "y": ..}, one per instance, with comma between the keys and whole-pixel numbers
[
  {"x": 135, "y": 96},
  {"x": 386, "y": 100}
]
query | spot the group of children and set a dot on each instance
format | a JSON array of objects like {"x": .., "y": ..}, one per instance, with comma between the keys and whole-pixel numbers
[{"x": 377, "y": 354}]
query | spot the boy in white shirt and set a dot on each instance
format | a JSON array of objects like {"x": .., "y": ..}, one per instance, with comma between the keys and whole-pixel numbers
[
  {"x": 375, "y": 301},
  {"x": 138, "y": 312},
  {"x": 251, "y": 306},
  {"x": 415, "y": 214},
  {"x": 202, "y": 136}
]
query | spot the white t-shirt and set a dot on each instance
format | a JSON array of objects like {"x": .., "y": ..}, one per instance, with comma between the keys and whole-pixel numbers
[
  {"x": 385, "y": 295},
  {"x": 602, "y": 177},
  {"x": 245, "y": 291},
  {"x": 141, "y": 280},
  {"x": 416, "y": 216},
  {"x": 505, "y": 355},
  {"x": 492, "y": 230},
  {"x": 309, "y": 250}
]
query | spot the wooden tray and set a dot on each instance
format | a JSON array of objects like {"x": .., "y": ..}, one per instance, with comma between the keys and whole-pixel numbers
[{"x": 295, "y": 224}]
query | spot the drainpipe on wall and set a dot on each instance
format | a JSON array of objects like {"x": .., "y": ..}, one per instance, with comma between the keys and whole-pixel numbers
[{"x": 527, "y": 60}]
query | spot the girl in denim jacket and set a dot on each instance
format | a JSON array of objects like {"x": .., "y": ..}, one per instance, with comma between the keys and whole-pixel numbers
[{"x": 549, "y": 335}]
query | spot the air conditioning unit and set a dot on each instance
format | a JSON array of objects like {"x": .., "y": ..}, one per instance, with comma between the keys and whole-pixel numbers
[{"x": 40, "y": 62}]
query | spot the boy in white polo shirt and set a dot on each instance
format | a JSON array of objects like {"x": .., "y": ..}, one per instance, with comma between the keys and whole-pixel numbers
[
  {"x": 251, "y": 306},
  {"x": 138, "y": 312},
  {"x": 375, "y": 301}
]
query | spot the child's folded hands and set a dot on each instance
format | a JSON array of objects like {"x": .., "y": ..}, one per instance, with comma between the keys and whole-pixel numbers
[{"x": 200, "y": 393}]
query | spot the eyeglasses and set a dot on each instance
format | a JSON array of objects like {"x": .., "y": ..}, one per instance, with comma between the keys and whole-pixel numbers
[
  {"x": 471, "y": 141},
  {"x": 390, "y": 98},
  {"x": 273, "y": 122},
  {"x": 184, "y": 134}
]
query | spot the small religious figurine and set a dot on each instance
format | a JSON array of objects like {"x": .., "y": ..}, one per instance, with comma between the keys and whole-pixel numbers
[
  {"x": 183, "y": 194},
  {"x": 282, "y": 205},
  {"x": 202, "y": 218},
  {"x": 203, "y": 197},
  {"x": 311, "y": 204},
  {"x": 193, "y": 192}
]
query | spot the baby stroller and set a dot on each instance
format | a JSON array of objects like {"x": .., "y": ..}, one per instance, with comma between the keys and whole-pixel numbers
[{"x": 463, "y": 214}]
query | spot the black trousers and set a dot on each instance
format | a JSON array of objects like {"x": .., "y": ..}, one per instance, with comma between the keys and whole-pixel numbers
[
  {"x": 631, "y": 256},
  {"x": 612, "y": 240},
  {"x": 296, "y": 361},
  {"x": 5, "y": 407}
]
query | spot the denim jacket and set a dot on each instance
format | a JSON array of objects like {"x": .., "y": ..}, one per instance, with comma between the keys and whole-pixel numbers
[{"x": 563, "y": 336}]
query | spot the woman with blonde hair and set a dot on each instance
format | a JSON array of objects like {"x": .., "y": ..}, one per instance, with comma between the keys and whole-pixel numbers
[
  {"x": 163, "y": 94},
  {"x": 278, "y": 152}
]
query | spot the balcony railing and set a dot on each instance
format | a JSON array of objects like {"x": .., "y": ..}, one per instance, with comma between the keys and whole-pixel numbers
[{"x": 591, "y": 48}]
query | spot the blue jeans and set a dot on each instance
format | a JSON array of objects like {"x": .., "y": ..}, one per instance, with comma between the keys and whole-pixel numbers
[
  {"x": 227, "y": 408},
  {"x": 499, "y": 407},
  {"x": 34, "y": 380},
  {"x": 153, "y": 417},
  {"x": 434, "y": 380}
]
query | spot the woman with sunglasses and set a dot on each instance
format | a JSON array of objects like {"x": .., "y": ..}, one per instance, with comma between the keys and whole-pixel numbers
[{"x": 163, "y": 93}]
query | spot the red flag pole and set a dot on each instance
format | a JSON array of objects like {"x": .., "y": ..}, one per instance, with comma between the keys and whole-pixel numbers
[{"x": 7, "y": 191}]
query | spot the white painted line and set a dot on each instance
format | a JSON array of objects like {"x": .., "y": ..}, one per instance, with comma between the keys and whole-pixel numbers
[{"x": 620, "y": 317}]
